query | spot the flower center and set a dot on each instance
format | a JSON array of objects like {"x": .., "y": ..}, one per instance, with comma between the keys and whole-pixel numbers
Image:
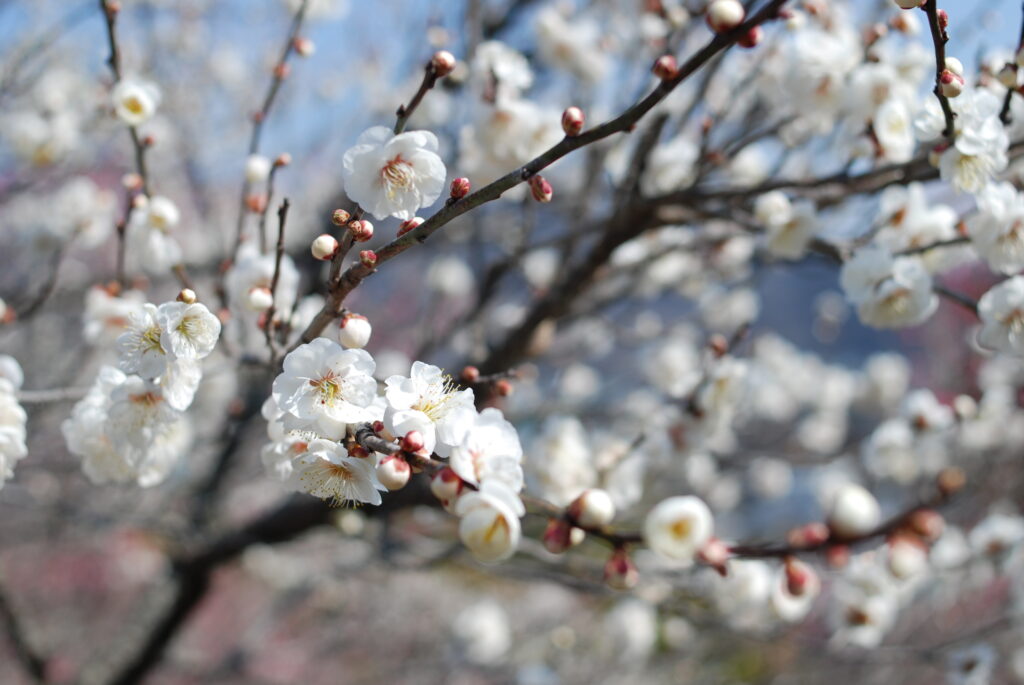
[
  {"x": 681, "y": 528},
  {"x": 328, "y": 387},
  {"x": 134, "y": 105},
  {"x": 149, "y": 341},
  {"x": 1014, "y": 321},
  {"x": 438, "y": 398},
  {"x": 333, "y": 482},
  {"x": 396, "y": 175}
]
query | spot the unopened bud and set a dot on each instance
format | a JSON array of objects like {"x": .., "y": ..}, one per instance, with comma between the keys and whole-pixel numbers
[
  {"x": 1008, "y": 75},
  {"x": 257, "y": 204},
  {"x": 257, "y": 168},
  {"x": 304, "y": 47},
  {"x": 854, "y": 512},
  {"x": 443, "y": 63},
  {"x": 943, "y": 19},
  {"x": 592, "y": 509},
  {"x": 393, "y": 472},
  {"x": 955, "y": 66},
  {"x": 951, "y": 480},
  {"x": 572, "y": 121},
  {"x": 359, "y": 452},
  {"x": 798, "y": 576},
  {"x": 540, "y": 188},
  {"x": 557, "y": 536},
  {"x": 446, "y": 485},
  {"x": 724, "y": 15},
  {"x": 324, "y": 247},
  {"x": 837, "y": 556},
  {"x": 715, "y": 554},
  {"x": 149, "y": 141},
  {"x": 260, "y": 299},
  {"x": 368, "y": 258},
  {"x": 362, "y": 230},
  {"x": 131, "y": 181},
  {"x": 283, "y": 159},
  {"x": 620, "y": 572},
  {"x": 503, "y": 387},
  {"x": 665, "y": 67},
  {"x": 927, "y": 523},
  {"x": 187, "y": 295},
  {"x": 281, "y": 71},
  {"x": 751, "y": 38},
  {"x": 354, "y": 332},
  {"x": 413, "y": 441},
  {"x": 808, "y": 535},
  {"x": 340, "y": 217},
  {"x": 460, "y": 188},
  {"x": 408, "y": 225},
  {"x": 951, "y": 84},
  {"x": 470, "y": 374}
]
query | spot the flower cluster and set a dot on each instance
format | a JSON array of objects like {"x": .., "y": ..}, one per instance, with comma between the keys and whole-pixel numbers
[
  {"x": 12, "y": 418},
  {"x": 131, "y": 424}
]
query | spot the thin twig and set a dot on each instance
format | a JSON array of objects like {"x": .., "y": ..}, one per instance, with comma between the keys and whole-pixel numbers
[
  {"x": 939, "y": 40},
  {"x": 1005, "y": 115},
  {"x": 268, "y": 324}
]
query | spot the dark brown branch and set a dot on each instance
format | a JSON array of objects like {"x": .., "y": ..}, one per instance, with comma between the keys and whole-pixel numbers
[
  {"x": 1005, "y": 115},
  {"x": 268, "y": 324},
  {"x": 959, "y": 298},
  {"x": 406, "y": 111},
  {"x": 939, "y": 40},
  {"x": 355, "y": 274}
]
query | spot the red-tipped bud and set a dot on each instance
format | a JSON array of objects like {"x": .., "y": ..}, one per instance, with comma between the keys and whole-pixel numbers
[
  {"x": 725, "y": 15},
  {"x": 540, "y": 188},
  {"x": 368, "y": 258},
  {"x": 257, "y": 204},
  {"x": 943, "y": 18},
  {"x": 281, "y": 71},
  {"x": 446, "y": 485},
  {"x": 593, "y": 508},
  {"x": 503, "y": 387},
  {"x": 283, "y": 159},
  {"x": 715, "y": 553},
  {"x": 751, "y": 38},
  {"x": 324, "y": 247},
  {"x": 408, "y": 225},
  {"x": 340, "y": 217},
  {"x": 443, "y": 63},
  {"x": 798, "y": 575},
  {"x": 393, "y": 472},
  {"x": 927, "y": 523},
  {"x": 952, "y": 84},
  {"x": 837, "y": 556},
  {"x": 620, "y": 572},
  {"x": 362, "y": 230},
  {"x": 470, "y": 374},
  {"x": 413, "y": 441},
  {"x": 665, "y": 67},
  {"x": 809, "y": 535},
  {"x": 557, "y": 536},
  {"x": 572, "y": 121},
  {"x": 359, "y": 452},
  {"x": 460, "y": 188},
  {"x": 378, "y": 427},
  {"x": 304, "y": 47}
]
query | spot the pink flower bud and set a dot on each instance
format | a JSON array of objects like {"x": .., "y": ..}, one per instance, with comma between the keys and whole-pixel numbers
[
  {"x": 665, "y": 67},
  {"x": 798, "y": 576},
  {"x": 354, "y": 332},
  {"x": 952, "y": 85},
  {"x": 283, "y": 159},
  {"x": 393, "y": 472},
  {"x": 809, "y": 535},
  {"x": 470, "y": 374},
  {"x": 620, "y": 572},
  {"x": 324, "y": 247},
  {"x": 408, "y": 225},
  {"x": 572, "y": 121},
  {"x": 340, "y": 217},
  {"x": 943, "y": 19},
  {"x": 362, "y": 230},
  {"x": 503, "y": 387},
  {"x": 557, "y": 536},
  {"x": 837, "y": 556},
  {"x": 281, "y": 71},
  {"x": 460, "y": 188},
  {"x": 304, "y": 47},
  {"x": 368, "y": 258},
  {"x": 751, "y": 38},
  {"x": 927, "y": 523},
  {"x": 413, "y": 441},
  {"x": 446, "y": 485},
  {"x": 724, "y": 15},
  {"x": 592, "y": 509},
  {"x": 443, "y": 62},
  {"x": 540, "y": 188},
  {"x": 715, "y": 554}
]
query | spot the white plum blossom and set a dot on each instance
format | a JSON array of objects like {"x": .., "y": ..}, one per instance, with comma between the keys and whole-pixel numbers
[
  {"x": 890, "y": 292},
  {"x": 429, "y": 401},
  {"x": 324, "y": 387},
  {"x": 107, "y": 313},
  {"x": 189, "y": 331},
  {"x": 326, "y": 470},
  {"x": 13, "y": 418},
  {"x": 393, "y": 175},
  {"x": 140, "y": 346},
  {"x": 1001, "y": 311},
  {"x": 678, "y": 527},
  {"x": 490, "y": 450},
  {"x": 149, "y": 233},
  {"x": 135, "y": 101},
  {"x": 997, "y": 230},
  {"x": 489, "y": 524},
  {"x": 854, "y": 511}
]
